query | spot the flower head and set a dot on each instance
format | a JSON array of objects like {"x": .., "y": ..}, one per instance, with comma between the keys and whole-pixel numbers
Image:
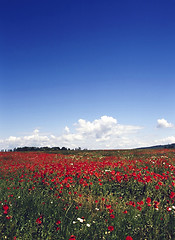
[
  {"x": 72, "y": 237},
  {"x": 129, "y": 238},
  {"x": 5, "y": 207},
  {"x": 111, "y": 228},
  {"x": 58, "y": 222}
]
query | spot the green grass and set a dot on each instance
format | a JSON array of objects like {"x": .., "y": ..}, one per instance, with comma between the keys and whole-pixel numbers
[{"x": 93, "y": 195}]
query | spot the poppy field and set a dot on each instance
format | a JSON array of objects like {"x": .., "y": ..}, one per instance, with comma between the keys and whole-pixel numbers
[{"x": 110, "y": 195}]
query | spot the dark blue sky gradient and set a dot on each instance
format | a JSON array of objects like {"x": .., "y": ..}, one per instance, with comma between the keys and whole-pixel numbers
[{"x": 65, "y": 60}]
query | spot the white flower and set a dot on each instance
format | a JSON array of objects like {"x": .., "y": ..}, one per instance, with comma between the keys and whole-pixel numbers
[
  {"x": 74, "y": 222},
  {"x": 97, "y": 209},
  {"x": 80, "y": 219},
  {"x": 88, "y": 225}
]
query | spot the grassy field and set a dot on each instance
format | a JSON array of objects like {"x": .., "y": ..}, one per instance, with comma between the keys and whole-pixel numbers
[{"x": 124, "y": 194}]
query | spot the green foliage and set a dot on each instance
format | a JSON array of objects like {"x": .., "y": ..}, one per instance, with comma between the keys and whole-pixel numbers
[{"x": 94, "y": 195}]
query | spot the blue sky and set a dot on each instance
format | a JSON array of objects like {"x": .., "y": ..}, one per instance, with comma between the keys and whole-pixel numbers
[{"x": 94, "y": 74}]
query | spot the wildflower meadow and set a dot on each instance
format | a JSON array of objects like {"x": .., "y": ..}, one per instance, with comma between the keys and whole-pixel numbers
[{"x": 88, "y": 195}]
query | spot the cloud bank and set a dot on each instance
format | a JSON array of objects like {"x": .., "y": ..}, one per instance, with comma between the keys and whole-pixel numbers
[{"x": 102, "y": 133}]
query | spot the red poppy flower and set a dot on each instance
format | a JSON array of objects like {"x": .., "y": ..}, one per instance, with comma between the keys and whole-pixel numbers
[
  {"x": 140, "y": 203},
  {"x": 58, "y": 222},
  {"x": 108, "y": 206},
  {"x": 72, "y": 237},
  {"x": 5, "y": 207},
  {"x": 148, "y": 200},
  {"x": 38, "y": 221},
  {"x": 111, "y": 228},
  {"x": 139, "y": 208},
  {"x": 172, "y": 195},
  {"x": 129, "y": 238},
  {"x": 111, "y": 210}
]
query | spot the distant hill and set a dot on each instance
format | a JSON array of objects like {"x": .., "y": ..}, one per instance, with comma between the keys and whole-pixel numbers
[{"x": 168, "y": 146}]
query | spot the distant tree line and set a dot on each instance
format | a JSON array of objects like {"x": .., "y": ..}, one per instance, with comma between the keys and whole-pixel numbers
[
  {"x": 30, "y": 149},
  {"x": 41, "y": 149},
  {"x": 170, "y": 145}
]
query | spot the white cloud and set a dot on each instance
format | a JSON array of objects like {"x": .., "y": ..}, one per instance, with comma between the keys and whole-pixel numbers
[
  {"x": 162, "y": 123},
  {"x": 101, "y": 133},
  {"x": 103, "y": 128},
  {"x": 166, "y": 140},
  {"x": 98, "y": 128},
  {"x": 14, "y": 139},
  {"x": 34, "y": 139}
]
